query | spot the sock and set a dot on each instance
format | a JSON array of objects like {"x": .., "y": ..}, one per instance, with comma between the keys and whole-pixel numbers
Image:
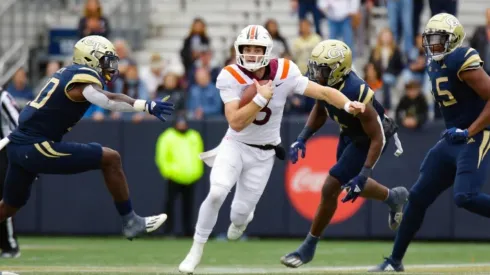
[
  {"x": 412, "y": 220},
  {"x": 124, "y": 207},
  {"x": 391, "y": 200},
  {"x": 312, "y": 240}
]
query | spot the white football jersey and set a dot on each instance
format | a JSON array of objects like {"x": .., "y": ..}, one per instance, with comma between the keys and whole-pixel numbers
[{"x": 265, "y": 129}]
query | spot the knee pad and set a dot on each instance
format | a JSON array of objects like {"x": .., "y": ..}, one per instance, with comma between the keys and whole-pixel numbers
[
  {"x": 463, "y": 199},
  {"x": 217, "y": 195},
  {"x": 240, "y": 211}
]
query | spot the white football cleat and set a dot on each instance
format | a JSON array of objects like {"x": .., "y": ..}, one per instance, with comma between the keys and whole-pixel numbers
[
  {"x": 188, "y": 265},
  {"x": 152, "y": 223},
  {"x": 235, "y": 232}
]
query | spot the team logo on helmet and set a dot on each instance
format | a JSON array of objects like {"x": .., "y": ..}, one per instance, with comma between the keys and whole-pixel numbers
[
  {"x": 336, "y": 52},
  {"x": 452, "y": 21}
]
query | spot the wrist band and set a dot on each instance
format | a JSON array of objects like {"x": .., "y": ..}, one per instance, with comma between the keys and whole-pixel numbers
[
  {"x": 346, "y": 106},
  {"x": 260, "y": 100},
  {"x": 140, "y": 105},
  {"x": 306, "y": 133}
]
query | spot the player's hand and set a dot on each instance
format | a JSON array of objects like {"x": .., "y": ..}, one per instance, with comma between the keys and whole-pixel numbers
[
  {"x": 266, "y": 90},
  {"x": 299, "y": 144},
  {"x": 356, "y": 107},
  {"x": 455, "y": 135},
  {"x": 159, "y": 108},
  {"x": 356, "y": 185}
]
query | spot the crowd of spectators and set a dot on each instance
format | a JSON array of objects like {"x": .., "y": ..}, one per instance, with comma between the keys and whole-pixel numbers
[{"x": 394, "y": 68}]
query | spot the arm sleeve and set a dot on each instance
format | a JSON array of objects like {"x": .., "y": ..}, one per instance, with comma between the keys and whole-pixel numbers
[{"x": 101, "y": 100}]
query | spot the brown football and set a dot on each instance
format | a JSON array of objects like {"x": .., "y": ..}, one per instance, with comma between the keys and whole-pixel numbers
[{"x": 249, "y": 93}]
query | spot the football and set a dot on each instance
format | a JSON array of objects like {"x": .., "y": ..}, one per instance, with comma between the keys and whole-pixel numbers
[{"x": 249, "y": 92}]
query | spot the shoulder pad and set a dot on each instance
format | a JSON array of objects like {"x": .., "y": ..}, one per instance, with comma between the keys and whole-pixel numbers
[
  {"x": 462, "y": 59},
  {"x": 86, "y": 75},
  {"x": 230, "y": 76},
  {"x": 356, "y": 89},
  {"x": 287, "y": 69}
]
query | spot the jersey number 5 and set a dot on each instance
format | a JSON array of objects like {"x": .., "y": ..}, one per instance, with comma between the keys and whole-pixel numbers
[
  {"x": 268, "y": 113},
  {"x": 45, "y": 93},
  {"x": 451, "y": 100}
]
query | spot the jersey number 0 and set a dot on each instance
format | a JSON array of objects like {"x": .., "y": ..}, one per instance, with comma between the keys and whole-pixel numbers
[{"x": 45, "y": 93}]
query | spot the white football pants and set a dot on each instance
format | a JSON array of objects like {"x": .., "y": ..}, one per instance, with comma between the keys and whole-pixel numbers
[{"x": 239, "y": 163}]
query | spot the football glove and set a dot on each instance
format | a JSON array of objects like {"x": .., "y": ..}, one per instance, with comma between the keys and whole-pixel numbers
[
  {"x": 455, "y": 135},
  {"x": 299, "y": 144},
  {"x": 356, "y": 185},
  {"x": 159, "y": 108}
]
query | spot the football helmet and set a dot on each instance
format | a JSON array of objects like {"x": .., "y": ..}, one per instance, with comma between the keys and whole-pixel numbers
[
  {"x": 329, "y": 62},
  {"x": 442, "y": 35},
  {"x": 98, "y": 53},
  {"x": 253, "y": 35}
]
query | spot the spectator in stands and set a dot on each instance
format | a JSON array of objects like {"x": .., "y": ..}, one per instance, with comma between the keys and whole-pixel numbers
[
  {"x": 153, "y": 75},
  {"x": 177, "y": 159},
  {"x": 281, "y": 48},
  {"x": 402, "y": 11},
  {"x": 416, "y": 69},
  {"x": 373, "y": 78},
  {"x": 204, "y": 99},
  {"x": 171, "y": 88},
  {"x": 93, "y": 23},
  {"x": 447, "y": 6},
  {"x": 194, "y": 44},
  {"x": 123, "y": 52},
  {"x": 412, "y": 110},
  {"x": 418, "y": 8},
  {"x": 308, "y": 6},
  {"x": 204, "y": 61},
  {"x": 339, "y": 17},
  {"x": 51, "y": 68},
  {"x": 388, "y": 60},
  {"x": 19, "y": 88},
  {"x": 304, "y": 44},
  {"x": 481, "y": 42},
  {"x": 232, "y": 57},
  {"x": 131, "y": 85}
]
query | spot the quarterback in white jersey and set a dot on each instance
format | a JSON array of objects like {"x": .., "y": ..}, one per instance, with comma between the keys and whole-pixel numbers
[{"x": 246, "y": 154}]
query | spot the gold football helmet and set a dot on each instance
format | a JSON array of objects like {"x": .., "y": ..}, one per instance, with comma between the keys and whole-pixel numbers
[
  {"x": 98, "y": 53},
  {"x": 329, "y": 62},
  {"x": 442, "y": 35}
]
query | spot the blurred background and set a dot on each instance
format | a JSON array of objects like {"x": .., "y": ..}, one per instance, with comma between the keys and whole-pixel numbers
[{"x": 177, "y": 48}]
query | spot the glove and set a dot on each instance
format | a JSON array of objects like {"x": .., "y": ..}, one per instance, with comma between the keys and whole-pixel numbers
[
  {"x": 299, "y": 144},
  {"x": 159, "y": 108},
  {"x": 356, "y": 185},
  {"x": 455, "y": 135}
]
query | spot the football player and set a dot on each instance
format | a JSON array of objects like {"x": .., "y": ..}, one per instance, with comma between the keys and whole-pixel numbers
[
  {"x": 246, "y": 153},
  {"x": 462, "y": 89},
  {"x": 362, "y": 140},
  {"x": 36, "y": 145}
]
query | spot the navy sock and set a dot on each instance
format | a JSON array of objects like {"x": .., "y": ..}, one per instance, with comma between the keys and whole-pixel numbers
[
  {"x": 390, "y": 201},
  {"x": 124, "y": 207},
  {"x": 310, "y": 239},
  {"x": 412, "y": 220}
]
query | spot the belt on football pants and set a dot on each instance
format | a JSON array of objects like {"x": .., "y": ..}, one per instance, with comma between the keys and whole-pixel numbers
[{"x": 278, "y": 149}]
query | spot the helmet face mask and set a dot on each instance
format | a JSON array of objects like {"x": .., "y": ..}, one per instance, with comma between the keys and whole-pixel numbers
[
  {"x": 320, "y": 73},
  {"x": 109, "y": 64},
  {"x": 253, "y": 48}
]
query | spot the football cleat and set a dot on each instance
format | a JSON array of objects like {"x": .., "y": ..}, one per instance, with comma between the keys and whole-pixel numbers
[
  {"x": 188, "y": 265},
  {"x": 388, "y": 266},
  {"x": 138, "y": 225},
  {"x": 395, "y": 217},
  {"x": 235, "y": 232}
]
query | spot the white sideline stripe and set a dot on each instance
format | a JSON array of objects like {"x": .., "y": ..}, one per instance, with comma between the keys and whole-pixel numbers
[{"x": 166, "y": 269}]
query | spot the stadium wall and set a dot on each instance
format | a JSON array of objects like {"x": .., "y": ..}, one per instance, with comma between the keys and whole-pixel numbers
[{"x": 80, "y": 204}]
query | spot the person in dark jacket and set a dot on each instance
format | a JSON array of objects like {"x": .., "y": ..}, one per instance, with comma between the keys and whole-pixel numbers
[
  {"x": 93, "y": 23},
  {"x": 412, "y": 110},
  {"x": 194, "y": 44}
]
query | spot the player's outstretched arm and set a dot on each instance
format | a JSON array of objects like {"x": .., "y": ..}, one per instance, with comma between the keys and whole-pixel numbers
[
  {"x": 479, "y": 81},
  {"x": 239, "y": 118},
  {"x": 123, "y": 103},
  {"x": 371, "y": 123},
  {"x": 334, "y": 97}
]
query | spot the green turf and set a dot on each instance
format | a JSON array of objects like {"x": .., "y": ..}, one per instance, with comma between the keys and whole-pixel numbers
[{"x": 162, "y": 256}]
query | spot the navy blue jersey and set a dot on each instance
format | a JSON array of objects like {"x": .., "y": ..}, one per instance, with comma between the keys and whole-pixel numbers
[
  {"x": 356, "y": 89},
  {"x": 53, "y": 113},
  {"x": 460, "y": 104}
]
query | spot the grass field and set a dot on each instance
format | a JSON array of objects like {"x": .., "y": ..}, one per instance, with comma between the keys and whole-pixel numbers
[{"x": 56, "y": 255}]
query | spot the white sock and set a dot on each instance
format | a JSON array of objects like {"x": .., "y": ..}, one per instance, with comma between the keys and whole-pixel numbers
[{"x": 208, "y": 213}]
